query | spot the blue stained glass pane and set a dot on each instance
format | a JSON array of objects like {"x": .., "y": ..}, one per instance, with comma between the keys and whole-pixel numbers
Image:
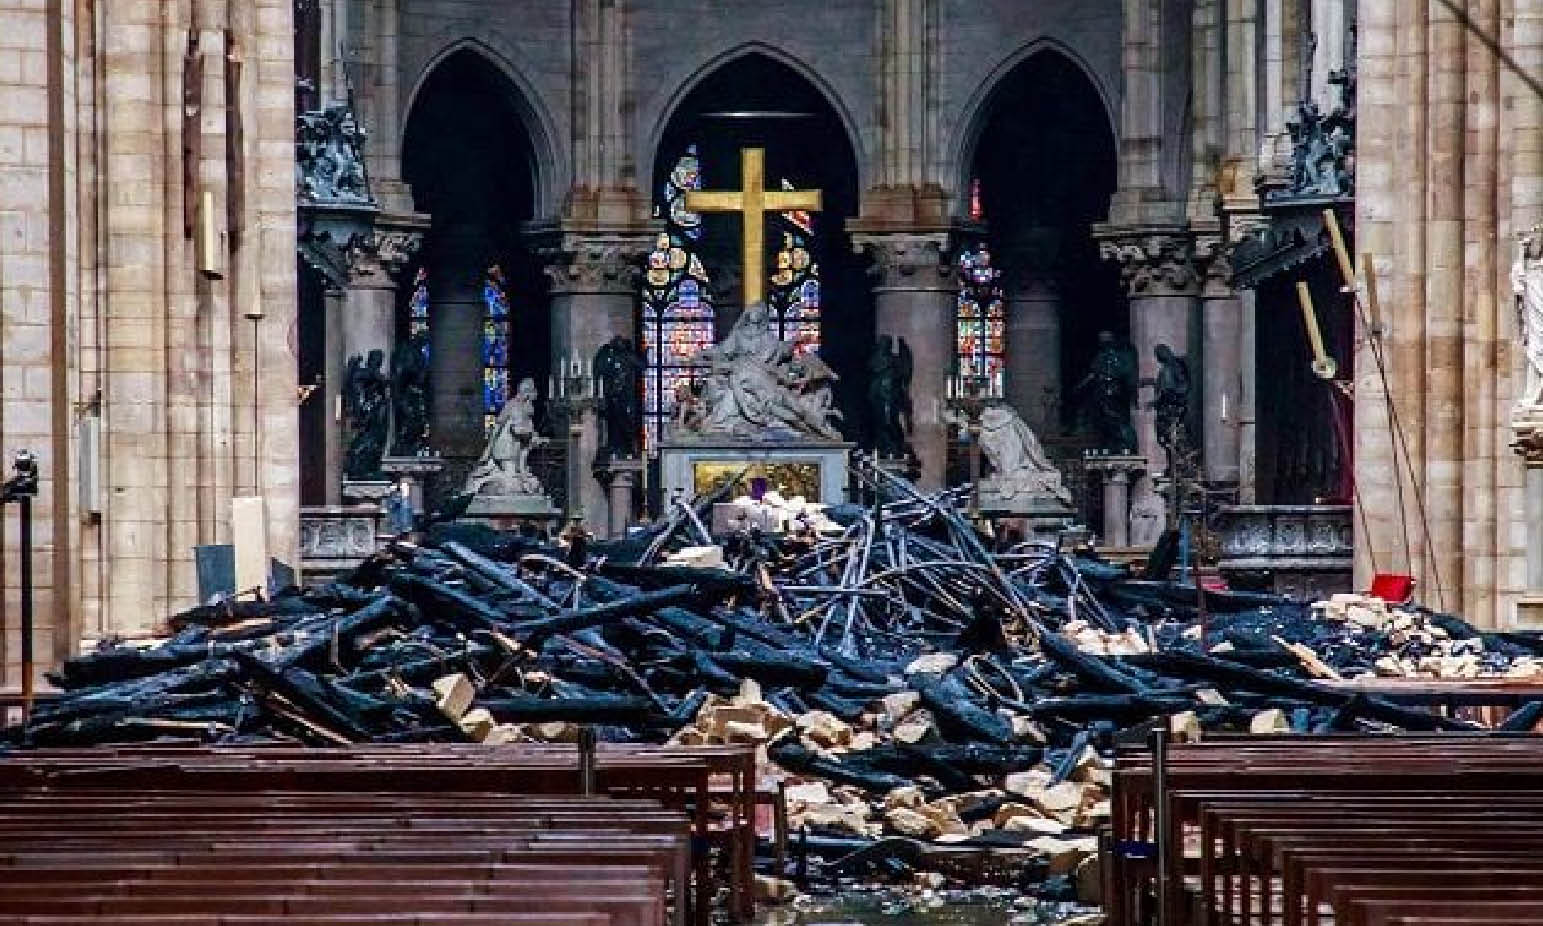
[
  {"x": 495, "y": 345},
  {"x": 982, "y": 315},
  {"x": 677, "y": 305}
]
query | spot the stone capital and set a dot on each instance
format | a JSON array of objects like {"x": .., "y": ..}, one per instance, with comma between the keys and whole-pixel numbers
[
  {"x": 378, "y": 257},
  {"x": 908, "y": 260},
  {"x": 1153, "y": 261},
  {"x": 598, "y": 262},
  {"x": 1213, "y": 263}
]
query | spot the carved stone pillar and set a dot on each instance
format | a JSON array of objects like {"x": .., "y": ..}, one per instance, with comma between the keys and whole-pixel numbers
[
  {"x": 1222, "y": 351},
  {"x": 622, "y": 478},
  {"x": 332, "y": 393},
  {"x": 594, "y": 279},
  {"x": 367, "y": 320},
  {"x": 1118, "y": 472},
  {"x": 1157, "y": 265},
  {"x": 915, "y": 299},
  {"x": 1034, "y": 329}
]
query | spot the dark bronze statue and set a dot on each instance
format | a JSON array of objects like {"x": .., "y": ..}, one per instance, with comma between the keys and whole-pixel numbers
[
  {"x": 889, "y": 396},
  {"x": 1107, "y": 394},
  {"x": 1171, "y": 404},
  {"x": 365, "y": 405},
  {"x": 410, "y": 398},
  {"x": 619, "y": 372}
]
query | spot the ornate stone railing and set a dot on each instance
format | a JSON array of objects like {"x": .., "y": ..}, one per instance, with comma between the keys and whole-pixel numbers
[
  {"x": 1301, "y": 550},
  {"x": 334, "y": 539}
]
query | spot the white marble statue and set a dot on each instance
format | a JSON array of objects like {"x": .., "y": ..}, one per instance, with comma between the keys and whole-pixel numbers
[
  {"x": 756, "y": 385},
  {"x": 1018, "y": 461},
  {"x": 1527, "y": 281},
  {"x": 504, "y": 467}
]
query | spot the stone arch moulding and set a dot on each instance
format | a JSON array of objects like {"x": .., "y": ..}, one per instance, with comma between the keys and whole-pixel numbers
[
  {"x": 977, "y": 109},
  {"x": 551, "y": 179},
  {"x": 660, "y": 115}
]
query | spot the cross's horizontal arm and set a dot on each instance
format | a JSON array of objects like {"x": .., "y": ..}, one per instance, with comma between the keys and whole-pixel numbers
[
  {"x": 714, "y": 201},
  {"x": 788, "y": 200}
]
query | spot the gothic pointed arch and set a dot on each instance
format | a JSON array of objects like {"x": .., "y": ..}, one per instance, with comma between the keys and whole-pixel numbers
[
  {"x": 814, "y": 284},
  {"x": 474, "y": 167},
  {"x": 548, "y": 167}
]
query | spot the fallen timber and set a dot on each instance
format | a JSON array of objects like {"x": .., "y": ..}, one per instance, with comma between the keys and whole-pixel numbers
[{"x": 910, "y": 680}]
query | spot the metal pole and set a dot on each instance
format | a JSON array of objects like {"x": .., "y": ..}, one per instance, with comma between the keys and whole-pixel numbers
[
  {"x": 586, "y": 760},
  {"x": 1160, "y": 821},
  {"x": 26, "y": 608}
]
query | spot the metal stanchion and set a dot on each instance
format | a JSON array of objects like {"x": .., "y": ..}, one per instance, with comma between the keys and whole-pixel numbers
[
  {"x": 21, "y": 488},
  {"x": 586, "y": 760},
  {"x": 1161, "y": 823}
]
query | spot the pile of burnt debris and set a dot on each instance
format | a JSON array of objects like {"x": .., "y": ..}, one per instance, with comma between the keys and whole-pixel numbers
[{"x": 905, "y": 678}]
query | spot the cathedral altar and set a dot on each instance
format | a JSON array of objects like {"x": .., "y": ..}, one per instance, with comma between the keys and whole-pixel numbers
[
  {"x": 762, "y": 406},
  {"x": 816, "y": 470}
]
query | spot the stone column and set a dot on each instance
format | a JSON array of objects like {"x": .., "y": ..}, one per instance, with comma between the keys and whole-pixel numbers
[
  {"x": 1116, "y": 501},
  {"x": 915, "y": 299},
  {"x": 594, "y": 277},
  {"x": 1034, "y": 330},
  {"x": 1221, "y": 316},
  {"x": 367, "y": 320},
  {"x": 1158, "y": 268},
  {"x": 332, "y": 394},
  {"x": 457, "y": 270},
  {"x": 621, "y": 488}
]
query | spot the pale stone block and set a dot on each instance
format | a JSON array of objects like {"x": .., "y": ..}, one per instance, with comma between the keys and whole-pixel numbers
[
  {"x": 24, "y": 344},
  {"x": 22, "y": 104}
]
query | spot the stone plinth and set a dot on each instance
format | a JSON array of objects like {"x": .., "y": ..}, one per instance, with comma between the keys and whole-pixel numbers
[
  {"x": 336, "y": 538},
  {"x": 417, "y": 471},
  {"x": 511, "y": 508},
  {"x": 1302, "y": 550},
  {"x": 1118, "y": 472},
  {"x": 817, "y": 470},
  {"x": 621, "y": 478},
  {"x": 367, "y": 491},
  {"x": 1024, "y": 497}
]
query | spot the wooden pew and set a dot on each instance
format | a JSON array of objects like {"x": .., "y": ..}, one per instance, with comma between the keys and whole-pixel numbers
[
  {"x": 531, "y": 768},
  {"x": 676, "y": 779},
  {"x": 117, "y": 827},
  {"x": 1267, "y": 829}
]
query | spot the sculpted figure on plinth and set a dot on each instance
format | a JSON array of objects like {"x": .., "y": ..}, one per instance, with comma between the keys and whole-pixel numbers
[
  {"x": 1018, "y": 461},
  {"x": 1106, "y": 395},
  {"x": 1171, "y": 403},
  {"x": 365, "y": 402},
  {"x": 619, "y": 371},
  {"x": 757, "y": 383},
  {"x": 889, "y": 396},
  {"x": 504, "y": 467}
]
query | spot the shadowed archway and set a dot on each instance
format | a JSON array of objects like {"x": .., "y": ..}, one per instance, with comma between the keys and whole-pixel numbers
[
  {"x": 469, "y": 157},
  {"x": 1044, "y": 165}
]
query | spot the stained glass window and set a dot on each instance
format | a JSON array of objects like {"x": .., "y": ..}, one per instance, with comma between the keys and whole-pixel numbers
[
  {"x": 418, "y": 313},
  {"x": 677, "y": 303},
  {"x": 795, "y": 284},
  {"x": 981, "y": 319},
  {"x": 495, "y": 346}
]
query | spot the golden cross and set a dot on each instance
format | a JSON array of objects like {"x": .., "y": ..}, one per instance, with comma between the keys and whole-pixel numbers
[{"x": 753, "y": 201}]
